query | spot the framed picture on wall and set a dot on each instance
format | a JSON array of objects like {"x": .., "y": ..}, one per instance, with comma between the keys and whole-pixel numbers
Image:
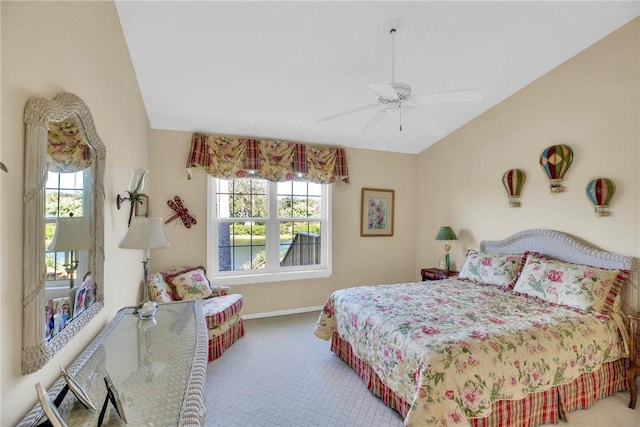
[
  {"x": 142, "y": 206},
  {"x": 376, "y": 212}
]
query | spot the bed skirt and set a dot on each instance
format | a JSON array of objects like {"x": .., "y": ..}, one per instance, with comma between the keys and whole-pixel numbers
[{"x": 538, "y": 408}]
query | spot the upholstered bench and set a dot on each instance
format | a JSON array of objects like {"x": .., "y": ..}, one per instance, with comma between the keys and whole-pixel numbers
[{"x": 222, "y": 310}]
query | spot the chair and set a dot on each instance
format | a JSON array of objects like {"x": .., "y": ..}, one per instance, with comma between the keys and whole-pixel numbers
[{"x": 222, "y": 310}]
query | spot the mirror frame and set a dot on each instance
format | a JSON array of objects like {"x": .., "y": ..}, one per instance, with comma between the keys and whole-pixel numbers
[{"x": 36, "y": 352}]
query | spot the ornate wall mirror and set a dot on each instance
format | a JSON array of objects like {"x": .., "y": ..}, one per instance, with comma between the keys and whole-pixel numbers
[{"x": 63, "y": 225}]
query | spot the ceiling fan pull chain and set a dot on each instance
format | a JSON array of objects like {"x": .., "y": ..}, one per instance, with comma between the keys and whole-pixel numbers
[
  {"x": 393, "y": 55},
  {"x": 400, "y": 110}
]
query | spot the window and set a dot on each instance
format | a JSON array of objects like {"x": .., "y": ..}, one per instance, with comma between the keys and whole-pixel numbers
[
  {"x": 65, "y": 194},
  {"x": 265, "y": 231}
]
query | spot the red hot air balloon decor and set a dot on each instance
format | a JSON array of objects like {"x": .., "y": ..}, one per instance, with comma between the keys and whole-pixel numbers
[
  {"x": 513, "y": 180},
  {"x": 600, "y": 191},
  {"x": 555, "y": 162}
]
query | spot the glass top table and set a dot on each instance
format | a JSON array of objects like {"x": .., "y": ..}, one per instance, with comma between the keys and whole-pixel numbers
[{"x": 157, "y": 368}]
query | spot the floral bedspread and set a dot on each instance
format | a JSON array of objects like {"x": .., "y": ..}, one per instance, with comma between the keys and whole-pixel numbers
[{"x": 450, "y": 347}]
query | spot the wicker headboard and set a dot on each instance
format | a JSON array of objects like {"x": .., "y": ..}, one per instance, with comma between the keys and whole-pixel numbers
[{"x": 565, "y": 247}]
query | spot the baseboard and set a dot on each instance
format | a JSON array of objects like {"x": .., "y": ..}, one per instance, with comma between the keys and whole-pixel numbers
[{"x": 282, "y": 312}]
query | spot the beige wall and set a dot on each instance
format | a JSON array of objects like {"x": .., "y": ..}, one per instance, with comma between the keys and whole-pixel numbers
[
  {"x": 47, "y": 48},
  {"x": 356, "y": 260},
  {"x": 591, "y": 102}
]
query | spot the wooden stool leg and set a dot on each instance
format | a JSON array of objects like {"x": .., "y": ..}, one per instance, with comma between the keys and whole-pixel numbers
[{"x": 633, "y": 386}]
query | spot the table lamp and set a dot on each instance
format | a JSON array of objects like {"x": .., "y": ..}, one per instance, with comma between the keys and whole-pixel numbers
[
  {"x": 71, "y": 235},
  {"x": 145, "y": 233},
  {"x": 446, "y": 233}
]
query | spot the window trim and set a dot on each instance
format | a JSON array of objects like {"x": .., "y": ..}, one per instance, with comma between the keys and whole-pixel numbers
[{"x": 244, "y": 277}]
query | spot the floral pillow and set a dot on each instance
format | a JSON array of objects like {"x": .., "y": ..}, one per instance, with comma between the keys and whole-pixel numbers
[
  {"x": 577, "y": 286},
  {"x": 190, "y": 284},
  {"x": 491, "y": 268},
  {"x": 159, "y": 289}
]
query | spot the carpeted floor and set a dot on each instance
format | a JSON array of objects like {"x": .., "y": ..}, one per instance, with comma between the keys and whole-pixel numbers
[{"x": 280, "y": 375}]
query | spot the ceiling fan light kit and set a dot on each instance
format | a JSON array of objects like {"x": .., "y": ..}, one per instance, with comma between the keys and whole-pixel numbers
[{"x": 397, "y": 96}]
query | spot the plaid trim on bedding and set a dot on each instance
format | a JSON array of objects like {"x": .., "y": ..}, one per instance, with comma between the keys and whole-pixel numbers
[
  {"x": 592, "y": 386},
  {"x": 221, "y": 343},
  {"x": 344, "y": 350},
  {"x": 535, "y": 409},
  {"x": 616, "y": 289}
]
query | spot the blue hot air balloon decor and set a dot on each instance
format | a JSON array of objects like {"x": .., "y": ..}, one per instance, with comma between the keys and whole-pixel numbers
[{"x": 600, "y": 191}]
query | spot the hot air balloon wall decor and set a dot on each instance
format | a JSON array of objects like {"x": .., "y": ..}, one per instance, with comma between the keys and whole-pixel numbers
[
  {"x": 513, "y": 180},
  {"x": 555, "y": 161},
  {"x": 600, "y": 191}
]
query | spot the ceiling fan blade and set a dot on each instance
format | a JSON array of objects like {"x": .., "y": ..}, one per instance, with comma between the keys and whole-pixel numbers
[
  {"x": 346, "y": 113},
  {"x": 447, "y": 97},
  {"x": 384, "y": 89},
  {"x": 374, "y": 120},
  {"x": 429, "y": 124}
]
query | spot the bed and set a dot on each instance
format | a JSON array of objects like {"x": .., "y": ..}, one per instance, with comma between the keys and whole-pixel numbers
[{"x": 530, "y": 331}]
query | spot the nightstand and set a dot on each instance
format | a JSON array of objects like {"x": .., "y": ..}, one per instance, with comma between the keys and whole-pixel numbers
[
  {"x": 634, "y": 358},
  {"x": 436, "y": 274}
]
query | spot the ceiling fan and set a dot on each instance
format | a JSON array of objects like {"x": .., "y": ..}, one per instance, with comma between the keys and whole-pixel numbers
[{"x": 397, "y": 96}]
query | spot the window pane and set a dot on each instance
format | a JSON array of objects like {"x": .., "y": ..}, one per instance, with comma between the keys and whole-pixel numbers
[
  {"x": 70, "y": 202},
  {"x": 71, "y": 180},
  {"x": 241, "y": 246},
  {"x": 55, "y": 270},
  {"x": 49, "y": 230},
  {"x": 293, "y": 201},
  {"x": 299, "y": 188},
  {"x": 64, "y": 194},
  {"x": 242, "y": 198},
  {"x": 314, "y": 206},
  {"x": 299, "y": 243},
  {"x": 285, "y": 187},
  {"x": 314, "y": 189},
  {"x": 52, "y": 180},
  {"x": 285, "y": 207},
  {"x": 51, "y": 203}
]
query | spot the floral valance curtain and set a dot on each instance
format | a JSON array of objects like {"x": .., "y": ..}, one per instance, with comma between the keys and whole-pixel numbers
[
  {"x": 66, "y": 148},
  {"x": 230, "y": 157}
]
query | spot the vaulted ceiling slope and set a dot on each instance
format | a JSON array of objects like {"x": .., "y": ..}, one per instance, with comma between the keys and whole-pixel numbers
[{"x": 272, "y": 69}]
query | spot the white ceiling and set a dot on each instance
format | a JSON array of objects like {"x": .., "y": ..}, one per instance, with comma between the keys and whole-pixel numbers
[{"x": 271, "y": 69}]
